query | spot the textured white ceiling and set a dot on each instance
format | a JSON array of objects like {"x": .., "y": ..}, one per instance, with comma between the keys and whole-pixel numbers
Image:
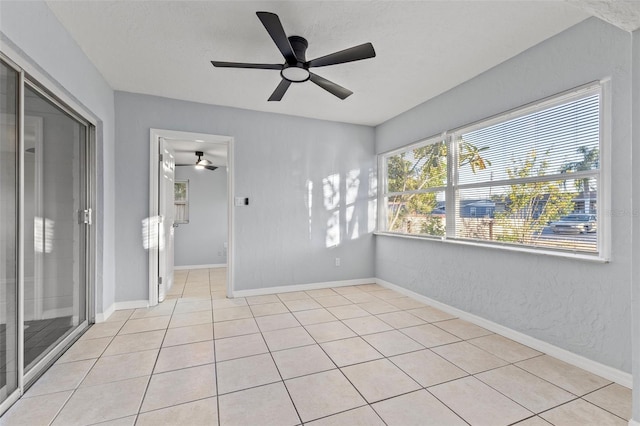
[
  {"x": 423, "y": 48},
  {"x": 624, "y": 14}
]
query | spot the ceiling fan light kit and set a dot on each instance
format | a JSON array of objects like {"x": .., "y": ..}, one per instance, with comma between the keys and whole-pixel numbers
[
  {"x": 296, "y": 67},
  {"x": 201, "y": 163}
]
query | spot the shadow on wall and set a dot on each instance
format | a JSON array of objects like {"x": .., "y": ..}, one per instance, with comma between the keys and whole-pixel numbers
[{"x": 347, "y": 217}]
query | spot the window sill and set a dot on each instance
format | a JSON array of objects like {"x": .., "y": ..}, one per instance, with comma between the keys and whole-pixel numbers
[{"x": 498, "y": 246}]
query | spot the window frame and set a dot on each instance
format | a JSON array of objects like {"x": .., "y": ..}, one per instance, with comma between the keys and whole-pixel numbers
[
  {"x": 382, "y": 164},
  {"x": 453, "y": 188},
  {"x": 184, "y": 202}
]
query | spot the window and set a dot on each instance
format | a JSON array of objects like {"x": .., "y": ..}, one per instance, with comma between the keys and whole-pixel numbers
[
  {"x": 415, "y": 187},
  {"x": 530, "y": 177},
  {"x": 181, "y": 201}
]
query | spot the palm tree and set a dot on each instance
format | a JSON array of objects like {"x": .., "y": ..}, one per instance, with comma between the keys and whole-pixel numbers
[{"x": 590, "y": 160}]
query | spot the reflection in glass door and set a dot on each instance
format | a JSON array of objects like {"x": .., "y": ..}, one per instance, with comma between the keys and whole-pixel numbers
[
  {"x": 55, "y": 239},
  {"x": 9, "y": 129}
]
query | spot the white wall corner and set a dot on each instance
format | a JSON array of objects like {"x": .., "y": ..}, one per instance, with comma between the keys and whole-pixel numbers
[
  {"x": 103, "y": 316},
  {"x": 300, "y": 287},
  {"x": 633, "y": 423},
  {"x": 609, "y": 373}
]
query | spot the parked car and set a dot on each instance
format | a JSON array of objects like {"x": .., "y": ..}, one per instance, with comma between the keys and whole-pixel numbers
[{"x": 577, "y": 222}]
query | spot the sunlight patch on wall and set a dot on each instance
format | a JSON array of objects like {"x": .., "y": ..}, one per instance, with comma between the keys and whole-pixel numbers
[
  {"x": 372, "y": 204},
  {"x": 331, "y": 196},
  {"x": 309, "y": 203},
  {"x": 43, "y": 230},
  {"x": 350, "y": 208},
  {"x": 151, "y": 237},
  {"x": 353, "y": 186}
]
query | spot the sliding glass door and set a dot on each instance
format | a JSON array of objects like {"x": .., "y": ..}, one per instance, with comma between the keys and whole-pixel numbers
[
  {"x": 9, "y": 130},
  {"x": 44, "y": 229},
  {"x": 54, "y": 232}
]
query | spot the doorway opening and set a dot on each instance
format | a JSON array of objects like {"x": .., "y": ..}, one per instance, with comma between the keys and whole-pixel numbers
[{"x": 190, "y": 198}]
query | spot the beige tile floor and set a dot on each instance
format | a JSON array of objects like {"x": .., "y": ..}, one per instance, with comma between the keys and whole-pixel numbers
[{"x": 360, "y": 355}]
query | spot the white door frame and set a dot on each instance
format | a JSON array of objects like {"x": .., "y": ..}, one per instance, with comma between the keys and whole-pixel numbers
[{"x": 154, "y": 185}]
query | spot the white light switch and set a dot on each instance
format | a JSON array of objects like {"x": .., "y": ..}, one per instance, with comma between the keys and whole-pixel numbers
[{"x": 241, "y": 201}]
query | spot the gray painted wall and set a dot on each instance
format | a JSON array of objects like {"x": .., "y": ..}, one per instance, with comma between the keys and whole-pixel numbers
[
  {"x": 635, "y": 214},
  {"x": 580, "y": 306},
  {"x": 45, "y": 45},
  {"x": 202, "y": 240},
  {"x": 281, "y": 237}
]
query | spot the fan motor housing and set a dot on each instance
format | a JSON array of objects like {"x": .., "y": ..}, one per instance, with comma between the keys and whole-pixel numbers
[
  {"x": 299, "y": 46},
  {"x": 297, "y": 73}
]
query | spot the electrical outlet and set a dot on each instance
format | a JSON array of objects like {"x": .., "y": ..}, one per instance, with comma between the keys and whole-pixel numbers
[{"x": 337, "y": 261}]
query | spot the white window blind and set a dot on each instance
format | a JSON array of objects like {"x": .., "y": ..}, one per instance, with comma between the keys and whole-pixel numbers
[
  {"x": 529, "y": 177},
  {"x": 540, "y": 183}
]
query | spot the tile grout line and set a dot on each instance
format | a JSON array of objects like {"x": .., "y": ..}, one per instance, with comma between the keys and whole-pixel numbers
[
  {"x": 603, "y": 408},
  {"x": 281, "y": 379},
  {"x": 317, "y": 343},
  {"x": 334, "y": 363},
  {"x": 62, "y": 407},
  {"x": 215, "y": 357},
  {"x": 468, "y": 373},
  {"x": 146, "y": 389},
  {"x": 367, "y": 403},
  {"x": 86, "y": 374}
]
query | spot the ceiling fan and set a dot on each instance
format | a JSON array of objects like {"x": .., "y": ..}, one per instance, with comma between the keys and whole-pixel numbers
[
  {"x": 200, "y": 162},
  {"x": 296, "y": 67}
]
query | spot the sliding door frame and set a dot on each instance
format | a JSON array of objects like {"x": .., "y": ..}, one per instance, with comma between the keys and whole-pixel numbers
[
  {"x": 29, "y": 377},
  {"x": 29, "y": 76},
  {"x": 17, "y": 393}
]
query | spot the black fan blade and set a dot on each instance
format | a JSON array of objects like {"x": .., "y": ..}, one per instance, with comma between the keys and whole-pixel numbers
[
  {"x": 356, "y": 53},
  {"x": 243, "y": 65},
  {"x": 210, "y": 167},
  {"x": 274, "y": 27},
  {"x": 330, "y": 86},
  {"x": 280, "y": 90}
]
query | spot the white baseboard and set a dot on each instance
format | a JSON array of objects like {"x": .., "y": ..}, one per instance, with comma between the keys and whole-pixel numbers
[
  {"x": 119, "y": 306},
  {"x": 301, "y": 287},
  {"x": 131, "y": 304},
  {"x": 102, "y": 317},
  {"x": 213, "y": 265},
  {"x": 609, "y": 373}
]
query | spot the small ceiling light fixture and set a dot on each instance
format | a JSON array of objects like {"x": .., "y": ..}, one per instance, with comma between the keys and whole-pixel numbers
[
  {"x": 295, "y": 74},
  {"x": 203, "y": 163},
  {"x": 200, "y": 163}
]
